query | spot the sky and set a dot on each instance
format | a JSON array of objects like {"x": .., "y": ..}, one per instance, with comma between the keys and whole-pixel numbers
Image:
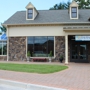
[{"x": 9, "y": 7}]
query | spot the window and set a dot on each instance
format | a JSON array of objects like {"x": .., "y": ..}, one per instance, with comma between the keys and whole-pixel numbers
[
  {"x": 40, "y": 46},
  {"x": 30, "y": 13},
  {"x": 3, "y": 48},
  {"x": 74, "y": 12}
]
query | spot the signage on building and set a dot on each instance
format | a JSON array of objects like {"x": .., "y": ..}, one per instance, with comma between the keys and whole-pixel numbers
[
  {"x": 82, "y": 38},
  {"x": 3, "y": 37}
]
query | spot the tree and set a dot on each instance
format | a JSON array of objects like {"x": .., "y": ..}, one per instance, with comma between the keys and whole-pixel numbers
[
  {"x": 60, "y": 6},
  {"x": 3, "y": 29},
  {"x": 67, "y": 4},
  {"x": 82, "y": 4},
  {"x": 54, "y": 7}
]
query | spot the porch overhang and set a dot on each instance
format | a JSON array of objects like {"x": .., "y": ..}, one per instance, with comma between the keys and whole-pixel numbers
[{"x": 76, "y": 29}]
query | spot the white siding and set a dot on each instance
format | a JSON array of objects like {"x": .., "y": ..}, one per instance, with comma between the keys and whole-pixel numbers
[
  {"x": 36, "y": 31},
  {"x": 35, "y": 13}
]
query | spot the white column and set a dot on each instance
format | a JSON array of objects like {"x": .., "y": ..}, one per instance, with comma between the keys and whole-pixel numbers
[
  {"x": 7, "y": 44},
  {"x": 66, "y": 49}
]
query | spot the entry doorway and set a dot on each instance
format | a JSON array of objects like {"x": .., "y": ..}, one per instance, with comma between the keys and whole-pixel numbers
[{"x": 79, "y": 52}]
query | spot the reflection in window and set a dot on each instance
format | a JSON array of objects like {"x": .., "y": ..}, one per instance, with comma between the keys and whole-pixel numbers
[
  {"x": 3, "y": 48},
  {"x": 40, "y": 46},
  {"x": 30, "y": 45},
  {"x": 74, "y": 12},
  {"x": 50, "y": 44},
  {"x": 74, "y": 51}
]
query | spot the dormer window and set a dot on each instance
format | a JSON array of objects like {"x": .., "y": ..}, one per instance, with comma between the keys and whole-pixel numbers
[
  {"x": 74, "y": 12},
  {"x": 30, "y": 14}
]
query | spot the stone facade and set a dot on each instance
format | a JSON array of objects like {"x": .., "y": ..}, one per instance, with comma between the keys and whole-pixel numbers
[
  {"x": 59, "y": 47},
  {"x": 17, "y": 48},
  {"x": 3, "y": 58}
]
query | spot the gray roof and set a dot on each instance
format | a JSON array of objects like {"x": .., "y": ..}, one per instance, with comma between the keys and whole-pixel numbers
[{"x": 49, "y": 16}]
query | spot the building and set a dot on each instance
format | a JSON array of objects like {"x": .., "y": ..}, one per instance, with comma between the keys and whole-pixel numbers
[{"x": 64, "y": 32}]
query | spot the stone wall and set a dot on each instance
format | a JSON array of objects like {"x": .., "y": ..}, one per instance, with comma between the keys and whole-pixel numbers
[
  {"x": 17, "y": 48},
  {"x": 3, "y": 58},
  {"x": 59, "y": 47}
]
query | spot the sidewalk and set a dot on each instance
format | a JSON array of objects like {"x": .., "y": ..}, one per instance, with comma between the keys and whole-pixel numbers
[
  {"x": 7, "y": 87},
  {"x": 13, "y": 85},
  {"x": 77, "y": 77}
]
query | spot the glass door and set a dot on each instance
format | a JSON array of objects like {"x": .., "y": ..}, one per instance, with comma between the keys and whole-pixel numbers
[
  {"x": 79, "y": 52},
  {"x": 74, "y": 51},
  {"x": 83, "y": 52}
]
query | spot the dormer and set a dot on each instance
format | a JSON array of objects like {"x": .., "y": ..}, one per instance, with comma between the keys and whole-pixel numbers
[
  {"x": 74, "y": 10},
  {"x": 31, "y": 12}
]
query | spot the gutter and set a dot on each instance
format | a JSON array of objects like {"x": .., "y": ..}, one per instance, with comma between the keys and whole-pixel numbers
[{"x": 56, "y": 23}]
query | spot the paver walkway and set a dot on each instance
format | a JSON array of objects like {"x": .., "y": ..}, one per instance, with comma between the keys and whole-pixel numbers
[{"x": 77, "y": 77}]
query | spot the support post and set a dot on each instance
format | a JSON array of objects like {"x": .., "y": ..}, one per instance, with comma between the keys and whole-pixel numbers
[
  {"x": 7, "y": 44},
  {"x": 66, "y": 49}
]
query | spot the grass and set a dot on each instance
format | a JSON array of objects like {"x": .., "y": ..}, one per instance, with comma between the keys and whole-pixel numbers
[{"x": 32, "y": 68}]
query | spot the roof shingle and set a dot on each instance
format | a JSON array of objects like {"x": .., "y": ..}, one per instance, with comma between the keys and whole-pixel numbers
[{"x": 49, "y": 16}]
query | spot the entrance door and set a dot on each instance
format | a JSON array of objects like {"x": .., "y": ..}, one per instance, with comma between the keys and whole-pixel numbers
[
  {"x": 83, "y": 52},
  {"x": 79, "y": 52}
]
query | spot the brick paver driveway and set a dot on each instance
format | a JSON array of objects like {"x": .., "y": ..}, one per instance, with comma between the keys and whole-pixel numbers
[{"x": 77, "y": 77}]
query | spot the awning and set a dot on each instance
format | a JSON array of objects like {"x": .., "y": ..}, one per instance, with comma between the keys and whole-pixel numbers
[{"x": 3, "y": 36}]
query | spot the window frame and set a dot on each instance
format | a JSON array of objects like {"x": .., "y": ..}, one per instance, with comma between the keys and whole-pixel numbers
[
  {"x": 46, "y": 47},
  {"x": 29, "y": 13},
  {"x": 73, "y": 12}
]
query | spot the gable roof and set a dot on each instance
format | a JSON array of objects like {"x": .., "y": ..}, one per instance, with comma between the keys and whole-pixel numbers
[
  {"x": 30, "y": 5},
  {"x": 48, "y": 17},
  {"x": 74, "y": 4}
]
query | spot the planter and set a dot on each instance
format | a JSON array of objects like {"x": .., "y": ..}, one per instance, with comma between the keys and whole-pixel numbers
[
  {"x": 28, "y": 56},
  {"x": 28, "y": 59},
  {"x": 50, "y": 59},
  {"x": 61, "y": 59}
]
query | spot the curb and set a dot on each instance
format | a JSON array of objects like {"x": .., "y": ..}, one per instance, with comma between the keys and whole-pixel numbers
[{"x": 27, "y": 86}]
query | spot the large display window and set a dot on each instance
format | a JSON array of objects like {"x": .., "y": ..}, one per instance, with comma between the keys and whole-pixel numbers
[{"x": 40, "y": 46}]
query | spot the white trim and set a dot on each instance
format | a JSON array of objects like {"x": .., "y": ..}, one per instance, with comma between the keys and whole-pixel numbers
[
  {"x": 56, "y": 23},
  {"x": 66, "y": 49},
  {"x": 71, "y": 12},
  {"x": 2, "y": 55}
]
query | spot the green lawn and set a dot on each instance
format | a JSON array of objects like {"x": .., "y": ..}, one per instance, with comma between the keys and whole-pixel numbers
[{"x": 32, "y": 68}]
